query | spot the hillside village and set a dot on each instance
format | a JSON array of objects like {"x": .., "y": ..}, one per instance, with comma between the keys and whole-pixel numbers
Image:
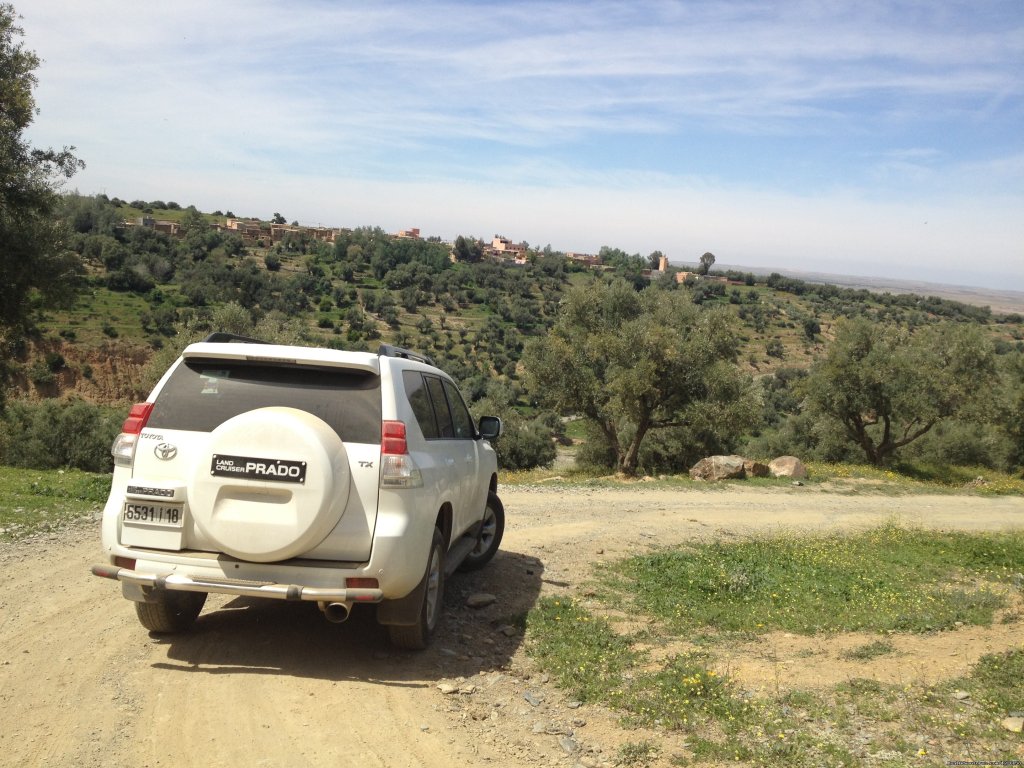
[{"x": 257, "y": 233}]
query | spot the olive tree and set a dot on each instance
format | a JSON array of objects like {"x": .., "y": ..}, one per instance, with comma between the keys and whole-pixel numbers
[
  {"x": 887, "y": 386},
  {"x": 631, "y": 362},
  {"x": 38, "y": 269}
]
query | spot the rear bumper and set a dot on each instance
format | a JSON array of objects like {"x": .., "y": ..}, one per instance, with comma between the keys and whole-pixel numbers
[{"x": 188, "y": 583}]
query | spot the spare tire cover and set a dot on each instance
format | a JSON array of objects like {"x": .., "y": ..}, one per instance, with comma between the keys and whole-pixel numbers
[{"x": 270, "y": 485}]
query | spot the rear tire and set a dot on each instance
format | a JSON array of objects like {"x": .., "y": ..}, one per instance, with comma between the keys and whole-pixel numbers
[
  {"x": 171, "y": 612},
  {"x": 418, "y": 636},
  {"x": 492, "y": 529}
]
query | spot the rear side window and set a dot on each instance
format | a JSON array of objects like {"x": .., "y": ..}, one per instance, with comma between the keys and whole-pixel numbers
[
  {"x": 419, "y": 399},
  {"x": 438, "y": 407},
  {"x": 202, "y": 394}
]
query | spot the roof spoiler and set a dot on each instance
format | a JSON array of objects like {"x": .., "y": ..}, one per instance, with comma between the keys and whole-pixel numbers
[{"x": 221, "y": 337}]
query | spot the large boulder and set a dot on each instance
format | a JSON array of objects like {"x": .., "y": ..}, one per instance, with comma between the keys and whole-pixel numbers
[
  {"x": 788, "y": 466},
  {"x": 713, "y": 468}
]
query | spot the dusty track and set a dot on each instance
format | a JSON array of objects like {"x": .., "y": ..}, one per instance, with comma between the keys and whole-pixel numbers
[{"x": 259, "y": 683}]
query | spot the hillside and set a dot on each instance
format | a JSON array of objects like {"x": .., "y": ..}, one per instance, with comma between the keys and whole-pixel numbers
[{"x": 362, "y": 287}]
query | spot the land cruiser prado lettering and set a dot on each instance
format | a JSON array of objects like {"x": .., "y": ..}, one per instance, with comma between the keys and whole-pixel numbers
[{"x": 295, "y": 473}]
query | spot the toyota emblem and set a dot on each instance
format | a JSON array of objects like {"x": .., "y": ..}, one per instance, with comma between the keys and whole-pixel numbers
[{"x": 165, "y": 451}]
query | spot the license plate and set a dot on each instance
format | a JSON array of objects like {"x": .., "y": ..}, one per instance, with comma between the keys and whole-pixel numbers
[{"x": 168, "y": 515}]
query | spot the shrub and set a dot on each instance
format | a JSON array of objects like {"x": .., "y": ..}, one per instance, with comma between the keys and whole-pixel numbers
[
  {"x": 60, "y": 434},
  {"x": 524, "y": 443}
]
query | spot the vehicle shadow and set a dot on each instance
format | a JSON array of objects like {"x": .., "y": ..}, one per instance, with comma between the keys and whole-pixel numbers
[{"x": 271, "y": 637}]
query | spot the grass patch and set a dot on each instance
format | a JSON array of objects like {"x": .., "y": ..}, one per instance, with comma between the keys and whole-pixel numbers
[
  {"x": 637, "y": 753},
  {"x": 888, "y": 579},
  {"x": 582, "y": 651},
  {"x": 869, "y": 651},
  {"x": 836, "y": 478},
  {"x": 997, "y": 682},
  {"x": 910, "y": 477},
  {"x": 685, "y": 695},
  {"x": 33, "y": 500},
  {"x": 885, "y": 579}
]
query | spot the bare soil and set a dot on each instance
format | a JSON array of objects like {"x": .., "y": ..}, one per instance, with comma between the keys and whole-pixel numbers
[{"x": 272, "y": 684}]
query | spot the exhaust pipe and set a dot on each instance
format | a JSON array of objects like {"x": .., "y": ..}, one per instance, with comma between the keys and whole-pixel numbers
[{"x": 335, "y": 613}]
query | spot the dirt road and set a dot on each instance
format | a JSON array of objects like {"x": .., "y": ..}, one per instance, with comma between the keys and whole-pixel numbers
[{"x": 273, "y": 684}]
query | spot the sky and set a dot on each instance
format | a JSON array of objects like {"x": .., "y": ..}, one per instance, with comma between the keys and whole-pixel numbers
[{"x": 882, "y": 139}]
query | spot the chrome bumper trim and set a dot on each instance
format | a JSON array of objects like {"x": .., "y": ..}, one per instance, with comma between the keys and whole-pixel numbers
[{"x": 182, "y": 583}]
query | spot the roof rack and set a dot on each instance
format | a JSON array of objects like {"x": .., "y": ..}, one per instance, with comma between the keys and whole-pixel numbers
[
  {"x": 389, "y": 351},
  {"x": 221, "y": 337}
]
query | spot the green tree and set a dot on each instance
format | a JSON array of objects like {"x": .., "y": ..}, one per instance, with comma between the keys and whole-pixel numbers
[
  {"x": 468, "y": 250},
  {"x": 887, "y": 387},
  {"x": 38, "y": 269},
  {"x": 634, "y": 362},
  {"x": 706, "y": 262}
]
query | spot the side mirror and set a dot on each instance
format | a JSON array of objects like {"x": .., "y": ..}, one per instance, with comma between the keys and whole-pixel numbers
[{"x": 490, "y": 427}]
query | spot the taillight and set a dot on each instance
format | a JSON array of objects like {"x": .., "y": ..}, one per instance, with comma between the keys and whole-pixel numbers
[
  {"x": 137, "y": 418},
  {"x": 392, "y": 439},
  {"x": 397, "y": 469},
  {"x": 123, "y": 449}
]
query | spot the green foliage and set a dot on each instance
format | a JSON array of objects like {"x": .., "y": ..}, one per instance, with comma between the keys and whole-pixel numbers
[
  {"x": 57, "y": 434},
  {"x": 888, "y": 387},
  {"x": 525, "y": 443},
  {"x": 38, "y": 270},
  {"x": 476, "y": 318},
  {"x": 633, "y": 362}
]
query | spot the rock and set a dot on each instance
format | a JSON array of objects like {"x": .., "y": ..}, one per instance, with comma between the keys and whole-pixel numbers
[
  {"x": 1013, "y": 724},
  {"x": 533, "y": 699},
  {"x": 568, "y": 744},
  {"x": 448, "y": 689},
  {"x": 714, "y": 468},
  {"x": 755, "y": 468},
  {"x": 961, "y": 695},
  {"x": 480, "y": 600},
  {"x": 508, "y": 630},
  {"x": 787, "y": 466}
]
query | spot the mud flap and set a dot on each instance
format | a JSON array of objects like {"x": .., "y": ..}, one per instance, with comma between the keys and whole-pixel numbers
[{"x": 403, "y": 611}]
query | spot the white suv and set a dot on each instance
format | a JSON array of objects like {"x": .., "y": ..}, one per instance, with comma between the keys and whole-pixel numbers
[{"x": 297, "y": 473}]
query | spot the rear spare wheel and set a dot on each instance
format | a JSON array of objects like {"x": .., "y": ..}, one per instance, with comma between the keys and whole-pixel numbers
[{"x": 271, "y": 484}]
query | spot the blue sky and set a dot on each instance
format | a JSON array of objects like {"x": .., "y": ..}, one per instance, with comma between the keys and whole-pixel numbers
[{"x": 866, "y": 138}]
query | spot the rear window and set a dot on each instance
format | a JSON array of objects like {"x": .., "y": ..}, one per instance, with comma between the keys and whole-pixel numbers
[{"x": 202, "y": 394}]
